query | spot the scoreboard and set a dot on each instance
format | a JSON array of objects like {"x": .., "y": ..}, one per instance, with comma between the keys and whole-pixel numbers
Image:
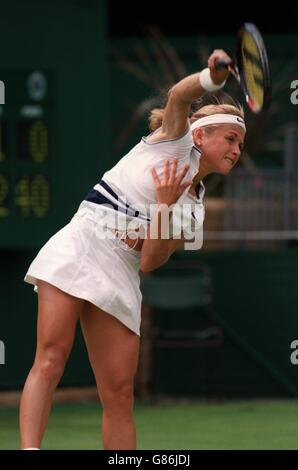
[{"x": 26, "y": 156}]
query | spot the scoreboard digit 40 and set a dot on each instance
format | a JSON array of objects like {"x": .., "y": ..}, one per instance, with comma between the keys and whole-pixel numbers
[{"x": 26, "y": 157}]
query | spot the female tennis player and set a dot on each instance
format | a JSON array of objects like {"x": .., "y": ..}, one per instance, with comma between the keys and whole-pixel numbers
[{"x": 84, "y": 273}]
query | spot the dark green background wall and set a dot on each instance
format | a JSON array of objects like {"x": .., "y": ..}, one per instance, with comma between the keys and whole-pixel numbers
[{"x": 255, "y": 301}]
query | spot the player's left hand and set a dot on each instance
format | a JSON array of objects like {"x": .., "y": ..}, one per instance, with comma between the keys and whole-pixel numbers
[{"x": 169, "y": 186}]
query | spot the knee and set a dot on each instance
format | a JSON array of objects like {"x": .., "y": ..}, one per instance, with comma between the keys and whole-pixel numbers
[
  {"x": 118, "y": 395},
  {"x": 50, "y": 363}
]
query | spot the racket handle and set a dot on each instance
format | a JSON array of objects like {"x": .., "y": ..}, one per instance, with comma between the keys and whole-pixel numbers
[{"x": 223, "y": 64}]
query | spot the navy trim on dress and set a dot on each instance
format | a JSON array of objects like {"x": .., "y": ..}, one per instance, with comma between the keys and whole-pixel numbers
[
  {"x": 98, "y": 198},
  {"x": 112, "y": 193}
]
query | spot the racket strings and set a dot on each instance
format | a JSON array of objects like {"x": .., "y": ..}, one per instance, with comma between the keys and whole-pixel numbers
[{"x": 252, "y": 70}]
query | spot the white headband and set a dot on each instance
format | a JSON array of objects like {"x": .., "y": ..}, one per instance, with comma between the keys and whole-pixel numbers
[{"x": 219, "y": 119}]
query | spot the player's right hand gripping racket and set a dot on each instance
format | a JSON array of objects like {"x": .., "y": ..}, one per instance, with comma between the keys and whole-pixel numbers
[{"x": 251, "y": 68}]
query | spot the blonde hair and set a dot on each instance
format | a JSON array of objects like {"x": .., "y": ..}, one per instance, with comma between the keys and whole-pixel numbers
[
  {"x": 200, "y": 109},
  {"x": 155, "y": 118},
  {"x": 210, "y": 109}
]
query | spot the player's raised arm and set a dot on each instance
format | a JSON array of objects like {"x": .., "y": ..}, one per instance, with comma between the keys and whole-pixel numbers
[{"x": 190, "y": 88}]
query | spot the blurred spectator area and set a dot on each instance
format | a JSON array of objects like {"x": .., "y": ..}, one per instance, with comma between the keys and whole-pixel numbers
[{"x": 260, "y": 205}]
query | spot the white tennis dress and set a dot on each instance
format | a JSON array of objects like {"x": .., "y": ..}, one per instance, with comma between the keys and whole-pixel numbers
[{"x": 102, "y": 269}]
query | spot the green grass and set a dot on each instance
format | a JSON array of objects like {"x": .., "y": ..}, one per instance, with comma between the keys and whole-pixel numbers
[{"x": 203, "y": 425}]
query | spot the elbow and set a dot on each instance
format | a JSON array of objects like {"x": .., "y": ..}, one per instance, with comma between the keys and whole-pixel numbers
[
  {"x": 146, "y": 266},
  {"x": 149, "y": 264}
]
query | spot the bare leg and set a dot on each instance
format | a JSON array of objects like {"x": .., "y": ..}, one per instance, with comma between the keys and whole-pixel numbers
[
  {"x": 113, "y": 351},
  {"x": 58, "y": 314}
]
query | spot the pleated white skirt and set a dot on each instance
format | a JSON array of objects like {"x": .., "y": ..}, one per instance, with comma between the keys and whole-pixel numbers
[{"x": 101, "y": 271}]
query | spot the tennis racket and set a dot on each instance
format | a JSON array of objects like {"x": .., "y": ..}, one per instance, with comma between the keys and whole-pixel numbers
[{"x": 251, "y": 68}]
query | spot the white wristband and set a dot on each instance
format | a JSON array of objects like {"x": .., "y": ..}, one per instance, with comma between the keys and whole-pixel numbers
[{"x": 207, "y": 83}]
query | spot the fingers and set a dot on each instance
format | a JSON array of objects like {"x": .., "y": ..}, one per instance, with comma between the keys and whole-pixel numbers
[
  {"x": 186, "y": 184},
  {"x": 166, "y": 170},
  {"x": 217, "y": 54},
  {"x": 218, "y": 76},
  {"x": 173, "y": 177},
  {"x": 155, "y": 177},
  {"x": 169, "y": 172},
  {"x": 169, "y": 187},
  {"x": 173, "y": 170},
  {"x": 182, "y": 174},
  {"x": 169, "y": 175}
]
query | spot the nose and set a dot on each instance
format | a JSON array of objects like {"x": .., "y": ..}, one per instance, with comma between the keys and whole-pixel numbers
[{"x": 236, "y": 151}]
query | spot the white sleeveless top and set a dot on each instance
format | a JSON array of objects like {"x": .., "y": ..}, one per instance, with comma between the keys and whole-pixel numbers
[{"x": 132, "y": 181}]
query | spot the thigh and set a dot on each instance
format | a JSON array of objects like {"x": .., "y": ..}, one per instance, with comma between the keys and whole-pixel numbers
[
  {"x": 113, "y": 348},
  {"x": 58, "y": 313}
]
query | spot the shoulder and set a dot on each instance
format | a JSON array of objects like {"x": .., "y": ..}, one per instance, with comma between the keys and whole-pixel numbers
[{"x": 160, "y": 136}]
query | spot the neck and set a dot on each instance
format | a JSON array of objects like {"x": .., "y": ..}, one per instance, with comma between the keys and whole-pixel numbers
[{"x": 204, "y": 170}]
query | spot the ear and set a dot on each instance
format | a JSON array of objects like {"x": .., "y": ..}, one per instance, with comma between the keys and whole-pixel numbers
[{"x": 197, "y": 136}]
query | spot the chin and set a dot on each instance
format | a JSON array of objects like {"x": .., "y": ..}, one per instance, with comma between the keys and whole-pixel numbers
[{"x": 225, "y": 171}]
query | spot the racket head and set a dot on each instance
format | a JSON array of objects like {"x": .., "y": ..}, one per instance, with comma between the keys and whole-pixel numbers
[{"x": 254, "y": 70}]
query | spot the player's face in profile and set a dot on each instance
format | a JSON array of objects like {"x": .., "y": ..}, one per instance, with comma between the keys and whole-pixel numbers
[{"x": 222, "y": 148}]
